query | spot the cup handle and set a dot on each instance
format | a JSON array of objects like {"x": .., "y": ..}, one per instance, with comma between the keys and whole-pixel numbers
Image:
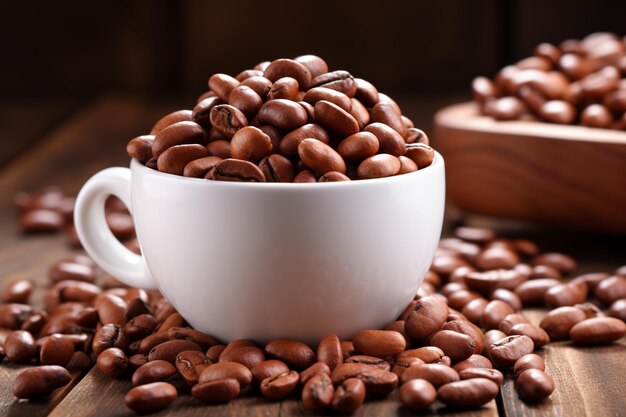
[{"x": 95, "y": 235}]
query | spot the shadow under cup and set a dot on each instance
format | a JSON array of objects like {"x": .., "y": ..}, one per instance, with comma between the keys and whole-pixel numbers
[{"x": 272, "y": 260}]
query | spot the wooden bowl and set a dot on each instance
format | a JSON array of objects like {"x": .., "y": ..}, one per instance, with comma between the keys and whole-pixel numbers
[{"x": 571, "y": 175}]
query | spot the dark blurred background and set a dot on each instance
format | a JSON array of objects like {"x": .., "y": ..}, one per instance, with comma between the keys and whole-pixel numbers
[{"x": 424, "y": 53}]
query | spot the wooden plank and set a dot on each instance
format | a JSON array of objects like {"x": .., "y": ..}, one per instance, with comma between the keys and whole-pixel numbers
[{"x": 589, "y": 381}]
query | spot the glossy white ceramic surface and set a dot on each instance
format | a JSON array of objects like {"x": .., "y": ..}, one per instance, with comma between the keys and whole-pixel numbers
[{"x": 267, "y": 261}]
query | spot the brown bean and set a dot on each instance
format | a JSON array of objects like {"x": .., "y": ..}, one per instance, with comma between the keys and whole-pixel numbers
[
  {"x": 483, "y": 88},
  {"x": 406, "y": 165},
  {"x": 111, "y": 309},
  {"x": 320, "y": 157},
  {"x": 511, "y": 320},
  {"x": 282, "y": 114},
  {"x": 349, "y": 396},
  {"x": 469, "y": 329},
  {"x": 494, "y": 313},
  {"x": 360, "y": 113},
  {"x": 379, "y": 166},
  {"x": 285, "y": 88},
  {"x": 596, "y": 115},
  {"x": 428, "y": 315},
  {"x": 341, "y": 81},
  {"x": 289, "y": 144},
  {"x": 534, "y": 385},
  {"x": 56, "y": 350},
  {"x": 558, "y": 322},
  {"x": 305, "y": 176},
  {"x": 359, "y": 146},
  {"x": 329, "y": 351},
  {"x": 140, "y": 147},
  {"x": 216, "y": 391},
  {"x": 198, "y": 168},
  {"x": 219, "y": 149},
  {"x": 40, "y": 381},
  {"x": 245, "y": 74},
  {"x": 532, "y": 291},
  {"x": 153, "y": 371},
  {"x": 260, "y": 85},
  {"x": 150, "y": 397},
  {"x": 321, "y": 93},
  {"x": 190, "y": 364},
  {"x": 335, "y": 119},
  {"x": 423, "y": 155},
  {"x": 317, "y": 393},
  {"x": 618, "y": 309},
  {"x": 457, "y": 346},
  {"x": 598, "y": 330},
  {"x": 313, "y": 63},
  {"x": 168, "y": 350},
  {"x": 611, "y": 289},
  {"x": 507, "y": 351},
  {"x": 227, "y": 370},
  {"x": 380, "y": 343},
  {"x": 280, "y": 386},
  {"x": 248, "y": 356},
  {"x": 530, "y": 361},
  {"x": 222, "y": 85},
  {"x": 391, "y": 142},
  {"x": 268, "y": 369},
  {"x": 20, "y": 347},
  {"x": 73, "y": 271},
  {"x": 202, "y": 112},
  {"x": 235, "y": 170},
  {"x": 333, "y": 176},
  {"x": 17, "y": 291},
  {"x": 293, "y": 353},
  {"x": 177, "y": 134},
  {"x": 384, "y": 113},
  {"x": 366, "y": 92},
  {"x": 565, "y": 295},
  {"x": 564, "y": 263},
  {"x": 370, "y": 360},
  {"x": 227, "y": 119},
  {"x": 537, "y": 334},
  {"x": 250, "y": 144},
  {"x": 311, "y": 371},
  {"x": 113, "y": 362},
  {"x": 474, "y": 309},
  {"x": 377, "y": 381},
  {"x": 508, "y": 297},
  {"x": 288, "y": 68},
  {"x": 491, "y": 374},
  {"x": 436, "y": 374},
  {"x": 170, "y": 119},
  {"x": 474, "y": 361},
  {"x": 246, "y": 100},
  {"x": 468, "y": 393}
]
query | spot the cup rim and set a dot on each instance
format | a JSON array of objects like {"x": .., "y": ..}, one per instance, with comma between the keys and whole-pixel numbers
[{"x": 438, "y": 160}]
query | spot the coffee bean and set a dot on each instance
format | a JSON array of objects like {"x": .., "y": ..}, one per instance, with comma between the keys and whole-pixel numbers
[
  {"x": 428, "y": 315},
  {"x": 317, "y": 393},
  {"x": 190, "y": 364},
  {"x": 313, "y": 63},
  {"x": 168, "y": 350},
  {"x": 508, "y": 297},
  {"x": 428, "y": 354},
  {"x": 259, "y": 84},
  {"x": 311, "y": 371},
  {"x": 467, "y": 328},
  {"x": 250, "y": 144},
  {"x": 508, "y": 350},
  {"x": 305, "y": 176},
  {"x": 611, "y": 289},
  {"x": 153, "y": 371},
  {"x": 599, "y": 330},
  {"x": 349, "y": 396},
  {"x": 56, "y": 350},
  {"x": 329, "y": 351},
  {"x": 333, "y": 176},
  {"x": 113, "y": 362},
  {"x": 227, "y": 370},
  {"x": 335, "y": 119},
  {"x": 174, "y": 159},
  {"x": 290, "y": 142},
  {"x": 558, "y": 322},
  {"x": 474, "y": 361},
  {"x": 369, "y": 360},
  {"x": 235, "y": 170},
  {"x": 17, "y": 291},
  {"x": 468, "y": 393},
  {"x": 457, "y": 346},
  {"x": 377, "y": 381},
  {"x": 321, "y": 93},
  {"x": 180, "y": 133},
  {"x": 248, "y": 356},
  {"x": 219, "y": 149},
  {"x": 483, "y": 88},
  {"x": 111, "y": 309},
  {"x": 436, "y": 374},
  {"x": 534, "y": 385},
  {"x": 80, "y": 360},
  {"x": 530, "y": 361},
  {"x": 360, "y": 113},
  {"x": 490, "y": 374},
  {"x": 288, "y": 68},
  {"x": 618, "y": 309},
  {"x": 150, "y": 397},
  {"x": 41, "y": 221},
  {"x": 40, "y": 381},
  {"x": 379, "y": 166},
  {"x": 285, "y": 88},
  {"x": 19, "y": 346},
  {"x": 268, "y": 369},
  {"x": 494, "y": 313},
  {"x": 202, "y": 111},
  {"x": 497, "y": 258},
  {"x": 341, "y": 81},
  {"x": 216, "y": 391},
  {"x": 245, "y": 74},
  {"x": 532, "y": 292},
  {"x": 511, "y": 320},
  {"x": 227, "y": 119},
  {"x": 320, "y": 157},
  {"x": 474, "y": 309},
  {"x": 359, "y": 146},
  {"x": 391, "y": 141},
  {"x": 384, "y": 112},
  {"x": 246, "y": 100},
  {"x": 565, "y": 295},
  {"x": 282, "y": 114},
  {"x": 222, "y": 85},
  {"x": 280, "y": 386},
  {"x": 539, "y": 337},
  {"x": 380, "y": 343},
  {"x": 423, "y": 155},
  {"x": 140, "y": 148},
  {"x": 293, "y": 353}
]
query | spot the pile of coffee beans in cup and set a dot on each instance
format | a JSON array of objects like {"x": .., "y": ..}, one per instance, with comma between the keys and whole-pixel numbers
[
  {"x": 464, "y": 332},
  {"x": 289, "y": 120},
  {"x": 577, "y": 82}
]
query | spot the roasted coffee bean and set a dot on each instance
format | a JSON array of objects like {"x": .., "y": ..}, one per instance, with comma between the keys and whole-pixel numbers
[
  {"x": 618, "y": 309},
  {"x": 202, "y": 112},
  {"x": 174, "y": 159},
  {"x": 360, "y": 113},
  {"x": 320, "y": 157},
  {"x": 227, "y": 119},
  {"x": 435, "y": 373},
  {"x": 474, "y": 361},
  {"x": 379, "y": 343},
  {"x": 284, "y": 88},
  {"x": 290, "y": 142},
  {"x": 311, "y": 371},
  {"x": 390, "y": 141},
  {"x": 250, "y": 144},
  {"x": 177, "y": 134},
  {"x": 507, "y": 351},
  {"x": 227, "y": 370},
  {"x": 530, "y": 361},
  {"x": 260, "y": 85},
  {"x": 532, "y": 292},
  {"x": 282, "y": 114},
  {"x": 494, "y": 313},
  {"x": 468, "y": 393},
  {"x": 335, "y": 119},
  {"x": 349, "y": 396},
  {"x": 417, "y": 394},
  {"x": 474, "y": 309},
  {"x": 467, "y": 328},
  {"x": 377, "y": 381},
  {"x": 113, "y": 362},
  {"x": 329, "y": 351},
  {"x": 268, "y": 369},
  {"x": 279, "y": 386},
  {"x": 153, "y": 371},
  {"x": 150, "y": 397},
  {"x": 558, "y": 322},
  {"x": 288, "y": 68},
  {"x": 406, "y": 165},
  {"x": 140, "y": 326},
  {"x": 170, "y": 119},
  {"x": 428, "y": 315},
  {"x": 219, "y": 149},
  {"x": 277, "y": 168},
  {"x": 111, "y": 309},
  {"x": 73, "y": 271},
  {"x": 317, "y": 393},
  {"x": 400, "y": 365},
  {"x": 40, "y": 381},
  {"x": 359, "y": 146},
  {"x": 137, "y": 360},
  {"x": 369, "y": 360},
  {"x": 20, "y": 347},
  {"x": 291, "y": 352},
  {"x": 17, "y": 291},
  {"x": 497, "y": 258},
  {"x": 511, "y": 320},
  {"x": 537, "y": 334},
  {"x": 534, "y": 385},
  {"x": 245, "y": 74},
  {"x": 508, "y": 297},
  {"x": 341, "y": 81},
  {"x": 313, "y": 63},
  {"x": 379, "y": 166},
  {"x": 80, "y": 360},
  {"x": 457, "y": 346},
  {"x": 168, "y": 350},
  {"x": 236, "y": 344},
  {"x": 184, "y": 333},
  {"x": 136, "y": 307},
  {"x": 321, "y": 93},
  {"x": 248, "y": 356},
  {"x": 56, "y": 350},
  {"x": 140, "y": 148},
  {"x": 423, "y": 155},
  {"x": 564, "y": 263},
  {"x": 598, "y": 330},
  {"x": 490, "y": 374},
  {"x": 235, "y": 170},
  {"x": 216, "y": 391},
  {"x": 190, "y": 364},
  {"x": 596, "y": 115},
  {"x": 333, "y": 176},
  {"x": 222, "y": 85},
  {"x": 246, "y": 100},
  {"x": 611, "y": 289},
  {"x": 565, "y": 295},
  {"x": 383, "y": 112}
]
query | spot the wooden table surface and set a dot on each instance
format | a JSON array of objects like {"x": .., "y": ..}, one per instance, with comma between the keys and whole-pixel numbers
[{"x": 54, "y": 143}]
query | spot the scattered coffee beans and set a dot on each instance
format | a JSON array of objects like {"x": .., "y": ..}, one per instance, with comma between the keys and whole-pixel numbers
[
  {"x": 289, "y": 121},
  {"x": 578, "y": 82}
]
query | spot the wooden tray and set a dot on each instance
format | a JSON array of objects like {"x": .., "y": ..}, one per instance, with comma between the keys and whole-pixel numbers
[{"x": 570, "y": 175}]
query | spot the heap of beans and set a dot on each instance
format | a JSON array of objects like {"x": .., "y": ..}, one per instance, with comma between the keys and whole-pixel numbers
[
  {"x": 289, "y": 120},
  {"x": 451, "y": 344},
  {"x": 578, "y": 82}
]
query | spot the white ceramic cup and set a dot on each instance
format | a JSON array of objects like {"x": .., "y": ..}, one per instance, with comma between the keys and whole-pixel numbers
[{"x": 272, "y": 260}]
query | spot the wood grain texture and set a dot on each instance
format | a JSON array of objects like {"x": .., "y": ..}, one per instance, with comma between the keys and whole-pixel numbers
[
  {"x": 562, "y": 174},
  {"x": 589, "y": 381}
]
